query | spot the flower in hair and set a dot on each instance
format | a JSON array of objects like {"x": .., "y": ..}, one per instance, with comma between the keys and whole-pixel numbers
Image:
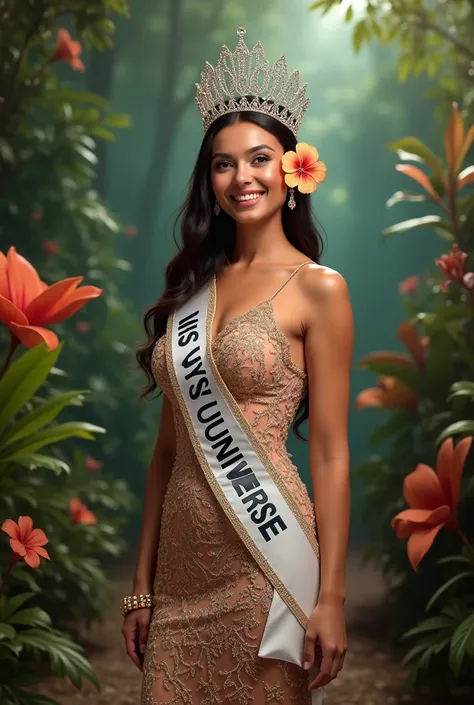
[{"x": 303, "y": 169}]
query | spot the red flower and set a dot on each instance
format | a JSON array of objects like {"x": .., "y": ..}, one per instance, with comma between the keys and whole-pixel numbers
[
  {"x": 303, "y": 168},
  {"x": 131, "y": 231},
  {"x": 83, "y": 327},
  {"x": 80, "y": 514},
  {"x": 51, "y": 247},
  {"x": 408, "y": 286},
  {"x": 26, "y": 541},
  {"x": 92, "y": 464},
  {"x": 68, "y": 50},
  {"x": 452, "y": 267},
  {"x": 433, "y": 499},
  {"x": 27, "y": 304}
]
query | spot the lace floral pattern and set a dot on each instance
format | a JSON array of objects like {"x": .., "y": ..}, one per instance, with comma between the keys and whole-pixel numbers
[{"x": 211, "y": 597}]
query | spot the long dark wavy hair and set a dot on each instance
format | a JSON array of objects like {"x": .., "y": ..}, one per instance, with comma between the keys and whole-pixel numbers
[{"x": 207, "y": 242}]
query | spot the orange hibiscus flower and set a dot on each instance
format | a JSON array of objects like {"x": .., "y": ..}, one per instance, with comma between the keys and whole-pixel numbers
[
  {"x": 25, "y": 541},
  {"x": 433, "y": 498},
  {"x": 409, "y": 285},
  {"x": 27, "y": 304},
  {"x": 92, "y": 464},
  {"x": 68, "y": 50},
  {"x": 303, "y": 168},
  {"x": 80, "y": 514},
  {"x": 390, "y": 392}
]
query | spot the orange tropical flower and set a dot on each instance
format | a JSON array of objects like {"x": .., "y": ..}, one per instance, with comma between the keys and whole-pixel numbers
[
  {"x": 51, "y": 247},
  {"x": 303, "y": 168},
  {"x": 389, "y": 393},
  {"x": 80, "y": 514},
  {"x": 452, "y": 267},
  {"x": 433, "y": 498},
  {"x": 25, "y": 541},
  {"x": 27, "y": 304},
  {"x": 83, "y": 327},
  {"x": 409, "y": 285},
  {"x": 92, "y": 464},
  {"x": 68, "y": 50}
]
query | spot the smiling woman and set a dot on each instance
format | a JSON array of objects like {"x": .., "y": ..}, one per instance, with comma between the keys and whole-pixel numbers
[
  {"x": 250, "y": 331},
  {"x": 248, "y": 177}
]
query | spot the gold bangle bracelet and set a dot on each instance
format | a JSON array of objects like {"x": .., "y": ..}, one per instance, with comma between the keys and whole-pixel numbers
[{"x": 136, "y": 602}]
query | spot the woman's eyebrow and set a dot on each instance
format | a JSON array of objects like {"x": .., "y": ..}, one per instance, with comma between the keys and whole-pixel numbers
[{"x": 223, "y": 155}]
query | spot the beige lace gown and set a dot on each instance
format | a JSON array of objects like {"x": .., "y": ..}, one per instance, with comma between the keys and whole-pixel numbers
[{"x": 212, "y": 599}]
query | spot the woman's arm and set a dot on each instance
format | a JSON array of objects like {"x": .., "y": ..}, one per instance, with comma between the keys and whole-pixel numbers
[
  {"x": 329, "y": 345},
  {"x": 159, "y": 472}
]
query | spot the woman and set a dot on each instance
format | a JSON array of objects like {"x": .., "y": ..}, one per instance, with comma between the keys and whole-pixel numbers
[{"x": 252, "y": 320}]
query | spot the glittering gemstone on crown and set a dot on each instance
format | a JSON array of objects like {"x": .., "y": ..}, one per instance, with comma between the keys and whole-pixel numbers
[{"x": 244, "y": 80}]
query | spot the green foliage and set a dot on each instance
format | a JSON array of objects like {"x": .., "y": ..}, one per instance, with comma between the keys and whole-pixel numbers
[
  {"x": 27, "y": 632},
  {"x": 426, "y": 46},
  {"x": 49, "y": 132},
  {"x": 439, "y": 371},
  {"x": 72, "y": 585},
  {"x": 51, "y": 212}
]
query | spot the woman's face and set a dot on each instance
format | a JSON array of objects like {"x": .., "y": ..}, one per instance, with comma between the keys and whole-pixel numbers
[{"x": 246, "y": 172}]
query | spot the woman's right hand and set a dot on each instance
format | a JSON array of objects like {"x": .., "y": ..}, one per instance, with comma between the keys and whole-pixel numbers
[{"x": 135, "y": 632}]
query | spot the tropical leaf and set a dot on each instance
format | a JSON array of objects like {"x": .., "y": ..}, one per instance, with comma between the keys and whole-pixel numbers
[
  {"x": 44, "y": 413},
  {"x": 448, "y": 584},
  {"x": 406, "y": 197},
  {"x": 465, "y": 177},
  {"x": 37, "y": 460},
  {"x": 76, "y": 429},
  {"x": 66, "y": 657},
  {"x": 441, "y": 226},
  {"x": 390, "y": 366},
  {"x": 428, "y": 625},
  {"x": 7, "y": 631},
  {"x": 457, "y": 558},
  {"x": 8, "y": 606},
  {"x": 31, "y": 617},
  {"x": 413, "y": 149},
  {"x": 23, "y": 378},
  {"x": 462, "y": 644},
  {"x": 462, "y": 389},
  {"x": 420, "y": 177},
  {"x": 454, "y": 429}
]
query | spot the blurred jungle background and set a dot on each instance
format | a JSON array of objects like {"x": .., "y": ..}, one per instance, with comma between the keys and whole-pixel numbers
[{"x": 98, "y": 136}]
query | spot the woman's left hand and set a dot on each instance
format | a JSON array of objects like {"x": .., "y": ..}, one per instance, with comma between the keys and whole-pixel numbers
[{"x": 326, "y": 632}]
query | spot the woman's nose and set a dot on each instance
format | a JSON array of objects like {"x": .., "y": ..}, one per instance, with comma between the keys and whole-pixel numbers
[{"x": 243, "y": 175}]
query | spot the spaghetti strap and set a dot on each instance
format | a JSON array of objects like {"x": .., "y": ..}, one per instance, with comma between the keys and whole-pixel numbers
[{"x": 289, "y": 278}]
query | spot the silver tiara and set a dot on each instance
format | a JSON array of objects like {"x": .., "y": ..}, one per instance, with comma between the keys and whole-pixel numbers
[{"x": 244, "y": 80}]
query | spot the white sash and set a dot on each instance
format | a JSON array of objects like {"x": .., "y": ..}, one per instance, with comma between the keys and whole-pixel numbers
[{"x": 245, "y": 483}]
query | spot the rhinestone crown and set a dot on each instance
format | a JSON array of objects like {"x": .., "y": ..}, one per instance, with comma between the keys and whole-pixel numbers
[{"x": 244, "y": 80}]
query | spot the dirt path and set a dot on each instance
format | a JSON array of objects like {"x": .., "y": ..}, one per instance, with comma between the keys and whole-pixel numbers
[{"x": 371, "y": 674}]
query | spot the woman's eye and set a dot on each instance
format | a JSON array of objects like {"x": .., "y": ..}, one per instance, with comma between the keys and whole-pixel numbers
[{"x": 260, "y": 159}]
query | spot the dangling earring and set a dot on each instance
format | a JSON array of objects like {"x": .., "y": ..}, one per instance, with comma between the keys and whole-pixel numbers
[
  {"x": 291, "y": 201},
  {"x": 217, "y": 209}
]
